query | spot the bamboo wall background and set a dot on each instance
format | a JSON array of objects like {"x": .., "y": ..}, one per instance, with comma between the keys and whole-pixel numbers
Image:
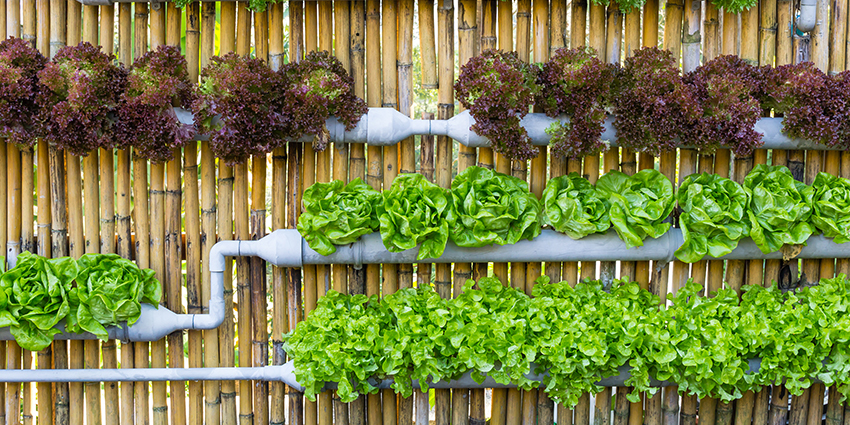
[{"x": 167, "y": 216}]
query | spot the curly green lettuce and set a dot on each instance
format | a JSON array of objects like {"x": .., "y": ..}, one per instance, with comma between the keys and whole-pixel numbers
[
  {"x": 413, "y": 212},
  {"x": 573, "y": 206},
  {"x": 34, "y": 297},
  {"x": 831, "y": 206},
  {"x": 109, "y": 291},
  {"x": 491, "y": 208},
  {"x": 713, "y": 217},
  {"x": 336, "y": 213},
  {"x": 640, "y": 204},
  {"x": 780, "y": 208}
]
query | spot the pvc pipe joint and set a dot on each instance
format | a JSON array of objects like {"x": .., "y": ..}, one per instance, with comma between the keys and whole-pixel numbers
[{"x": 808, "y": 15}]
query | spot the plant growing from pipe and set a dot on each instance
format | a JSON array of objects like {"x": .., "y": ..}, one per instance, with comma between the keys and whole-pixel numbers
[
  {"x": 652, "y": 103},
  {"x": 78, "y": 93},
  {"x": 19, "y": 67},
  {"x": 240, "y": 105},
  {"x": 727, "y": 88},
  {"x": 336, "y": 213},
  {"x": 413, "y": 212},
  {"x": 491, "y": 208},
  {"x": 713, "y": 216},
  {"x": 575, "y": 83},
  {"x": 499, "y": 89},
  {"x": 640, "y": 204},
  {"x": 779, "y": 209},
  {"x": 831, "y": 206},
  {"x": 157, "y": 81},
  {"x": 317, "y": 88},
  {"x": 573, "y": 206}
]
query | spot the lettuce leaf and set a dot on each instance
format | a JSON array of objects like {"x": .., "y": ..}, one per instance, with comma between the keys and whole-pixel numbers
[
  {"x": 780, "y": 208},
  {"x": 110, "y": 290},
  {"x": 573, "y": 206},
  {"x": 639, "y": 204},
  {"x": 712, "y": 218},
  {"x": 34, "y": 297},
  {"x": 413, "y": 211},
  {"x": 491, "y": 208},
  {"x": 831, "y": 206},
  {"x": 338, "y": 214}
]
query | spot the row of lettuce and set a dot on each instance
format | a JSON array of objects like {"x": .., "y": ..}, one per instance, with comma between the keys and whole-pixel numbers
[
  {"x": 485, "y": 207},
  {"x": 578, "y": 335},
  {"x": 655, "y": 107},
  {"x": 88, "y": 294},
  {"x": 80, "y": 101}
]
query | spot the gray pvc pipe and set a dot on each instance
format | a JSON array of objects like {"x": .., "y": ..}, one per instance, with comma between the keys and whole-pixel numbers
[
  {"x": 387, "y": 127},
  {"x": 808, "y": 15},
  {"x": 154, "y": 324},
  {"x": 283, "y": 373},
  {"x": 286, "y": 248}
]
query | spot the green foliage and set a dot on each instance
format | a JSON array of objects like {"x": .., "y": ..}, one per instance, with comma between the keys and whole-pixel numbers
[
  {"x": 734, "y": 6},
  {"x": 110, "y": 290},
  {"x": 573, "y": 206},
  {"x": 831, "y": 206},
  {"x": 779, "y": 209},
  {"x": 713, "y": 217},
  {"x": 336, "y": 213},
  {"x": 413, "y": 211},
  {"x": 490, "y": 207},
  {"x": 639, "y": 204},
  {"x": 96, "y": 291},
  {"x": 579, "y": 335}
]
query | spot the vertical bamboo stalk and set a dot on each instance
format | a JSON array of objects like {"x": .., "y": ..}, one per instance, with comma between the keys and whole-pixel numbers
[
  {"x": 92, "y": 348},
  {"x": 750, "y": 35},
  {"x": 45, "y": 357},
  {"x": 297, "y": 411},
  {"x": 158, "y": 258},
  {"x": 778, "y": 413},
  {"x": 141, "y": 219},
  {"x": 260, "y": 335},
  {"x": 504, "y": 13},
  {"x": 730, "y": 33},
  {"x": 489, "y": 40},
  {"x": 820, "y": 36},
  {"x": 650, "y": 23},
  {"x": 427, "y": 50},
  {"x": 3, "y": 228},
  {"x": 596, "y": 35},
  {"x": 799, "y": 408}
]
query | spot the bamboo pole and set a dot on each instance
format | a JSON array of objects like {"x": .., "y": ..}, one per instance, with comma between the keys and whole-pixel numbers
[
  {"x": 650, "y": 23},
  {"x": 258, "y": 285},
  {"x": 500, "y": 396},
  {"x": 426, "y": 44},
  {"x": 109, "y": 349},
  {"x": 819, "y": 46},
  {"x": 750, "y": 35},
  {"x": 730, "y": 33},
  {"x": 799, "y": 408},
  {"x": 92, "y": 348},
  {"x": 489, "y": 40},
  {"x": 76, "y": 245},
  {"x": 141, "y": 220}
]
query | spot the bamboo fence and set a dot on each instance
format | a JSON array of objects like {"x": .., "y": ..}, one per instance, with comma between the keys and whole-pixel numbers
[{"x": 401, "y": 54}]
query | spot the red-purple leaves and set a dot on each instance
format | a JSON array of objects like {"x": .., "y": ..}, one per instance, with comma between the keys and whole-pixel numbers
[
  {"x": 498, "y": 89},
  {"x": 248, "y": 98},
  {"x": 146, "y": 120},
  {"x": 816, "y": 106},
  {"x": 652, "y": 103},
  {"x": 727, "y": 88},
  {"x": 576, "y": 83},
  {"x": 78, "y": 91},
  {"x": 317, "y": 88},
  {"x": 19, "y": 66}
]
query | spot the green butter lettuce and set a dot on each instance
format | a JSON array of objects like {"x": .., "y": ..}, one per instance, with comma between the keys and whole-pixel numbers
[
  {"x": 413, "y": 211},
  {"x": 831, "y": 206},
  {"x": 640, "y": 204},
  {"x": 491, "y": 208},
  {"x": 713, "y": 217},
  {"x": 34, "y": 297},
  {"x": 574, "y": 207},
  {"x": 109, "y": 291},
  {"x": 338, "y": 214},
  {"x": 780, "y": 208}
]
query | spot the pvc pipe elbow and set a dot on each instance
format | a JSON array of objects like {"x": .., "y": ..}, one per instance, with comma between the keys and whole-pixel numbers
[{"x": 808, "y": 15}]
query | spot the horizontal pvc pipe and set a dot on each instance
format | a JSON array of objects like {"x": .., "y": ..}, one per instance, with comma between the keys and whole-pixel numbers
[
  {"x": 286, "y": 248},
  {"x": 155, "y": 323},
  {"x": 387, "y": 126},
  {"x": 284, "y": 373}
]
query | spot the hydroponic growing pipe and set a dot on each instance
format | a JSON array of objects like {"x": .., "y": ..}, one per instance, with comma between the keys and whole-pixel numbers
[
  {"x": 387, "y": 126},
  {"x": 284, "y": 373},
  {"x": 154, "y": 324}
]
